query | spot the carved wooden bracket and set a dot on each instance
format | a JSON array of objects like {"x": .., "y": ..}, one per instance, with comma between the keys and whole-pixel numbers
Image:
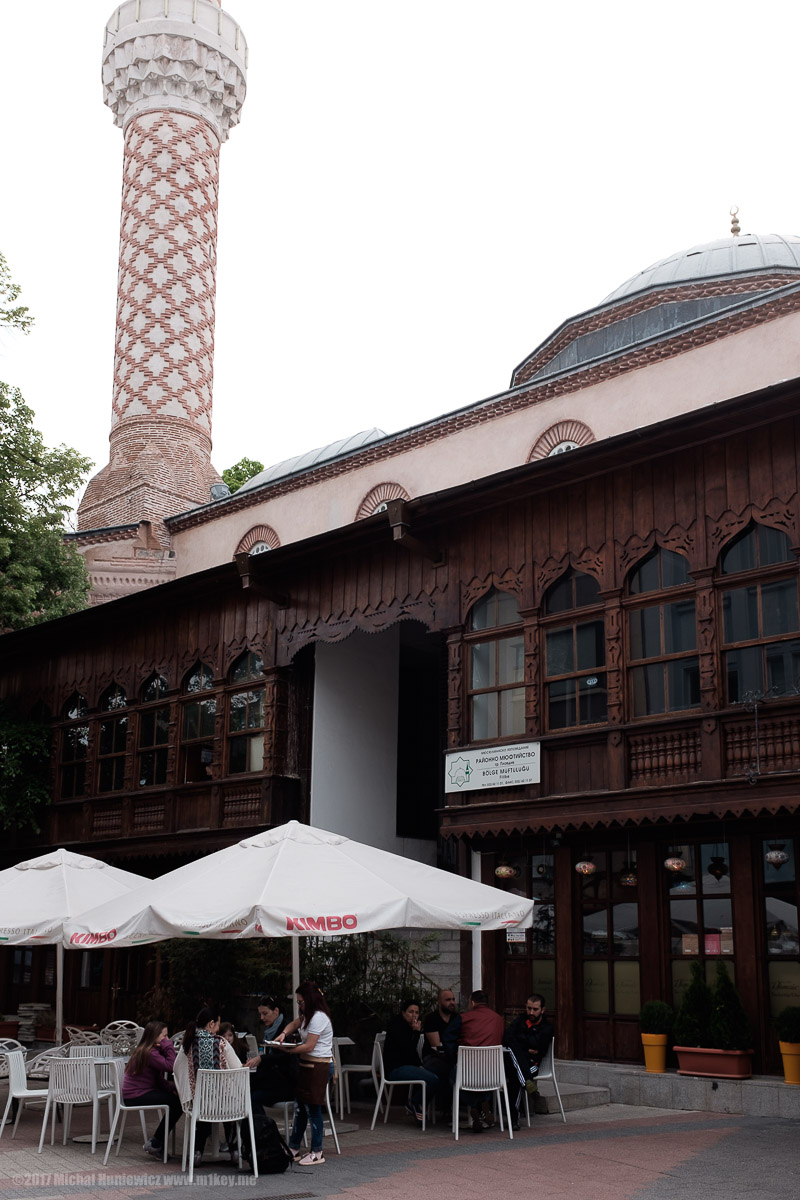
[
  {"x": 397, "y": 512},
  {"x": 244, "y": 565}
]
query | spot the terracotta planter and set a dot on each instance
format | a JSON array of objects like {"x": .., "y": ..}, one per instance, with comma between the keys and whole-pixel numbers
[
  {"x": 9, "y": 1029},
  {"x": 790, "y": 1053},
  {"x": 716, "y": 1064},
  {"x": 655, "y": 1052}
]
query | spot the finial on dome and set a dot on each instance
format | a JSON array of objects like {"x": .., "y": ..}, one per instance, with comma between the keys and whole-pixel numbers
[{"x": 735, "y": 221}]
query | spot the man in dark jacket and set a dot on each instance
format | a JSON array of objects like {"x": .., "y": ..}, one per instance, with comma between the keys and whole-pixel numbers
[{"x": 528, "y": 1037}]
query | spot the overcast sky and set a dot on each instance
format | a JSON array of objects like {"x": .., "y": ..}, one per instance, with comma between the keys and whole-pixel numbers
[{"x": 417, "y": 195}]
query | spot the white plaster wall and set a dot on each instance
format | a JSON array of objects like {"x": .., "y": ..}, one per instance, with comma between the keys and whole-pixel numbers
[
  {"x": 731, "y": 366},
  {"x": 354, "y": 743}
]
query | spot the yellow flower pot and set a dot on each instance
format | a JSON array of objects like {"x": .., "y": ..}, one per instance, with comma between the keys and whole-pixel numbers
[
  {"x": 655, "y": 1052},
  {"x": 790, "y": 1053}
]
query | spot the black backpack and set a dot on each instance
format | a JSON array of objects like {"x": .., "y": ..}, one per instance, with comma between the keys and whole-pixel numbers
[{"x": 271, "y": 1152}]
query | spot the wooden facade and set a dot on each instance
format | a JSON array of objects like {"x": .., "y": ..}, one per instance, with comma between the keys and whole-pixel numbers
[{"x": 663, "y": 755}]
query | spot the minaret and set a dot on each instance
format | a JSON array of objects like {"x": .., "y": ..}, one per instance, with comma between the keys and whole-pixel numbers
[{"x": 174, "y": 77}]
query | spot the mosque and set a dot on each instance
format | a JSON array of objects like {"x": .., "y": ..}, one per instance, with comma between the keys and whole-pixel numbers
[{"x": 550, "y": 640}]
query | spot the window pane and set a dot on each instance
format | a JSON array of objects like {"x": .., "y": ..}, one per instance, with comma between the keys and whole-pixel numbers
[
  {"x": 717, "y": 926},
  {"x": 648, "y": 690},
  {"x": 781, "y": 925},
  {"x": 510, "y": 660},
  {"x": 779, "y": 873},
  {"x": 483, "y": 669},
  {"x": 208, "y": 711},
  {"x": 740, "y": 555},
  {"x": 595, "y": 987},
  {"x": 683, "y": 683},
  {"x": 484, "y": 716},
  {"x": 512, "y": 712},
  {"x": 645, "y": 577},
  {"x": 679, "y": 627},
  {"x": 645, "y": 632},
  {"x": 507, "y": 609},
  {"x": 75, "y": 744},
  {"x": 544, "y": 927},
  {"x": 773, "y": 546},
  {"x": 744, "y": 672},
  {"x": 683, "y": 927},
  {"x": 783, "y": 666},
  {"x": 559, "y": 649},
  {"x": 627, "y": 999},
  {"x": 779, "y": 607},
  {"x": 674, "y": 569},
  {"x": 740, "y": 612},
  {"x": 559, "y": 596},
  {"x": 784, "y": 986},
  {"x": 191, "y": 714},
  {"x": 481, "y": 616},
  {"x": 561, "y": 704},
  {"x": 591, "y": 645},
  {"x": 246, "y": 754},
  {"x": 592, "y": 699},
  {"x": 625, "y": 919},
  {"x": 587, "y": 590}
]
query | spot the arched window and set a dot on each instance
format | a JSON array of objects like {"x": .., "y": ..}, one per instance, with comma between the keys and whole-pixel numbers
[
  {"x": 575, "y": 654},
  {"x": 246, "y": 716},
  {"x": 496, "y": 668},
  {"x": 566, "y": 435},
  {"x": 112, "y": 741},
  {"x": 153, "y": 732},
  {"x": 74, "y": 747},
  {"x": 377, "y": 499},
  {"x": 198, "y": 719},
  {"x": 662, "y": 636},
  {"x": 761, "y": 619},
  {"x": 258, "y": 540}
]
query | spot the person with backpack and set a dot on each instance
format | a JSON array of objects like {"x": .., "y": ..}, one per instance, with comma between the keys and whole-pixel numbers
[{"x": 315, "y": 1054}]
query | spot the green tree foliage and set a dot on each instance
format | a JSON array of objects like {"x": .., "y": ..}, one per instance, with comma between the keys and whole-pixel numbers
[
  {"x": 693, "y": 1022},
  {"x": 24, "y": 771},
  {"x": 729, "y": 1026},
  {"x": 40, "y": 576},
  {"x": 240, "y": 472}
]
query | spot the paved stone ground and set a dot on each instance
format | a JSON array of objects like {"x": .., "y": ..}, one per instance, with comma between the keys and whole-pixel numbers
[{"x": 616, "y": 1152}]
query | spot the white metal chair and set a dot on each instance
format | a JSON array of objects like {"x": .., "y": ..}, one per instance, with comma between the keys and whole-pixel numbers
[
  {"x": 7, "y": 1044},
  {"x": 252, "y": 1045},
  {"x": 18, "y": 1088},
  {"x": 82, "y": 1037},
  {"x": 74, "y": 1081},
  {"x": 219, "y": 1096},
  {"x": 343, "y": 1073},
  {"x": 480, "y": 1069},
  {"x": 177, "y": 1039},
  {"x": 388, "y": 1085},
  {"x": 547, "y": 1070},
  {"x": 124, "y": 1108},
  {"x": 122, "y": 1036},
  {"x": 39, "y": 1066},
  {"x": 90, "y": 1050}
]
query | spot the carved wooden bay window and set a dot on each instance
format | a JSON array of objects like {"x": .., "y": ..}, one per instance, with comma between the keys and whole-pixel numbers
[
  {"x": 74, "y": 748},
  {"x": 197, "y": 725},
  {"x": 153, "y": 732},
  {"x": 664, "y": 668},
  {"x": 246, "y": 716},
  {"x": 575, "y": 654},
  {"x": 497, "y": 668},
  {"x": 112, "y": 741},
  {"x": 761, "y": 618}
]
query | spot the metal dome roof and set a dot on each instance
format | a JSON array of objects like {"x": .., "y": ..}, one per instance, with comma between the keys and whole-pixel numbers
[
  {"x": 312, "y": 458},
  {"x": 728, "y": 256}
]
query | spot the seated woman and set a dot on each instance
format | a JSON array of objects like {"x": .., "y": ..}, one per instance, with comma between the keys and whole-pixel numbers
[
  {"x": 315, "y": 1055},
  {"x": 227, "y": 1031},
  {"x": 203, "y": 1049},
  {"x": 401, "y": 1059},
  {"x": 145, "y": 1080},
  {"x": 275, "y": 1077}
]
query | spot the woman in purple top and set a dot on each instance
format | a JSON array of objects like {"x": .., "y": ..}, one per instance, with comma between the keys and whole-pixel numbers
[{"x": 146, "y": 1082}]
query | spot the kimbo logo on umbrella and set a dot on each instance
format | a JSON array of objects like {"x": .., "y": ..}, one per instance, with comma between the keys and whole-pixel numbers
[
  {"x": 322, "y": 924},
  {"x": 92, "y": 939}
]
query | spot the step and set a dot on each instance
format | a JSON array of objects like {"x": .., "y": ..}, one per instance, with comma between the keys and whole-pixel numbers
[{"x": 573, "y": 1096}]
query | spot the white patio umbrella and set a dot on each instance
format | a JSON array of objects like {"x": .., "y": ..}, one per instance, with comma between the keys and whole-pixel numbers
[
  {"x": 38, "y": 896},
  {"x": 296, "y": 881}
]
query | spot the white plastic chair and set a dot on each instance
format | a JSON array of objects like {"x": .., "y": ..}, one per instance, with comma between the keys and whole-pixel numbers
[
  {"x": 177, "y": 1039},
  {"x": 252, "y": 1045},
  {"x": 74, "y": 1081},
  {"x": 547, "y": 1070},
  {"x": 122, "y": 1036},
  {"x": 78, "y": 1050},
  {"x": 219, "y": 1096},
  {"x": 39, "y": 1067},
  {"x": 82, "y": 1037},
  {"x": 7, "y": 1044},
  {"x": 480, "y": 1069},
  {"x": 124, "y": 1108},
  {"x": 387, "y": 1085},
  {"x": 343, "y": 1073},
  {"x": 18, "y": 1088}
]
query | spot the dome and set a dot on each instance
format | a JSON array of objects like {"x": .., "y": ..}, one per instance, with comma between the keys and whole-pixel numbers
[{"x": 710, "y": 260}]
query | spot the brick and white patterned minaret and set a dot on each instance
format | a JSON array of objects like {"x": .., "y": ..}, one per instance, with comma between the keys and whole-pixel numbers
[{"x": 174, "y": 77}]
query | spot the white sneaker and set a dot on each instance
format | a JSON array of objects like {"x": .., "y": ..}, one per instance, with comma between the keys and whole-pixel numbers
[{"x": 314, "y": 1158}]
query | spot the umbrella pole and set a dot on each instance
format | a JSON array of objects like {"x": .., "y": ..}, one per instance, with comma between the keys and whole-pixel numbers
[
  {"x": 59, "y": 992},
  {"x": 295, "y": 971}
]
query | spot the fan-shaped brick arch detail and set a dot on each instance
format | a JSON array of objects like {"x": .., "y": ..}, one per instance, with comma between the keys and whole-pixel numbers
[
  {"x": 256, "y": 535},
  {"x": 564, "y": 431},
  {"x": 381, "y": 494}
]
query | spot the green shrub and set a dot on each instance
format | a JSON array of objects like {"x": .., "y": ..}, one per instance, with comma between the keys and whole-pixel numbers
[
  {"x": 730, "y": 1028},
  {"x": 787, "y": 1024},
  {"x": 656, "y": 1017},
  {"x": 693, "y": 1022}
]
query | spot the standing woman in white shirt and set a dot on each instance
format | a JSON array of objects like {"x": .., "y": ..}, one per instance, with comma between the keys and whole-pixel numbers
[{"x": 316, "y": 1064}]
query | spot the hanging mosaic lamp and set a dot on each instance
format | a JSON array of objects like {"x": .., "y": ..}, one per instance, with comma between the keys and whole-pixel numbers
[
  {"x": 504, "y": 871},
  {"x": 628, "y": 877},
  {"x": 717, "y": 867},
  {"x": 776, "y": 856},
  {"x": 585, "y": 867},
  {"x": 674, "y": 863}
]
